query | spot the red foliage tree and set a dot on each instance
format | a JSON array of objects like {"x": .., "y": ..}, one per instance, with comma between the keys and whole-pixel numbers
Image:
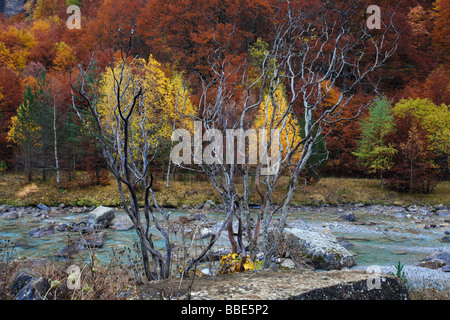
[
  {"x": 11, "y": 88},
  {"x": 413, "y": 169}
]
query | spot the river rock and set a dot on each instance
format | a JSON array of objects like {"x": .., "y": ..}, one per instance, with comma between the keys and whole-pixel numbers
[
  {"x": 13, "y": 215},
  {"x": 442, "y": 212},
  {"x": 288, "y": 264},
  {"x": 321, "y": 248},
  {"x": 4, "y": 208},
  {"x": 71, "y": 250},
  {"x": 122, "y": 222},
  {"x": 398, "y": 215},
  {"x": 432, "y": 264},
  {"x": 348, "y": 216},
  {"x": 441, "y": 255},
  {"x": 445, "y": 239},
  {"x": 209, "y": 205},
  {"x": 23, "y": 277},
  {"x": 439, "y": 206},
  {"x": 94, "y": 239},
  {"x": 28, "y": 285},
  {"x": 42, "y": 206},
  {"x": 85, "y": 242},
  {"x": 101, "y": 217},
  {"x": 43, "y": 231}
]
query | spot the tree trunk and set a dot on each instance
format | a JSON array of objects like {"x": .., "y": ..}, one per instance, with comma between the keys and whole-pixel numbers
[
  {"x": 56, "y": 149},
  {"x": 381, "y": 179}
]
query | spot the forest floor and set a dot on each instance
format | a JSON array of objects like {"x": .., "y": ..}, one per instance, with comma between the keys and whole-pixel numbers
[{"x": 188, "y": 191}]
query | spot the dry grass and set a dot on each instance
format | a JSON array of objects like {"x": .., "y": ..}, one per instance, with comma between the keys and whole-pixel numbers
[
  {"x": 429, "y": 294},
  {"x": 96, "y": 281},
  {"x": 15, "y": 190}
]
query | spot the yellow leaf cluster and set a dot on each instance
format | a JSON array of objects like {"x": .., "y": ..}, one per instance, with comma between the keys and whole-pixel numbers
[
  {"x": 435, "y": 120},
  {"x": 64, "y": 57},
  {"x": 164, "y": 105},
  {"x": 273, "y": 115},
  {"x": 232, "y": 263},
  {"x": 15, "y": 45}
]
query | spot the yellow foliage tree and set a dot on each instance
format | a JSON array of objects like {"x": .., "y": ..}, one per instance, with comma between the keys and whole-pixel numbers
[
  {"x": 64, "y": 57},
  {"x": 164, "y": 105},
  {"x": 273, "y": 115},
  {"x": 15, "y": 45},
  {"x": 434, "y": 119}
]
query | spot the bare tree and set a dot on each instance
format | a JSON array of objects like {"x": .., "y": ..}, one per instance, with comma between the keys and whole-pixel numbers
[
  {"x": 315, "y": 49},
  {"x": 124, "y": 127},
  {"x": 319, "y": 48},
  {"x": 129, "y": 162}
]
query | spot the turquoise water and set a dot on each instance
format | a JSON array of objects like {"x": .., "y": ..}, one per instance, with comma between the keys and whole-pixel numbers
[{"x": 390, "y": 240}]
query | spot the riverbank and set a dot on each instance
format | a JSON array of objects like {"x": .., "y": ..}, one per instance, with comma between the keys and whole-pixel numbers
[
  {"x": 374, "y": 234},
  {"x": 15, "y": 190}
]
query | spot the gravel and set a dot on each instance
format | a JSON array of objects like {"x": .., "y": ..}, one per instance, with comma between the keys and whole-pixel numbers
[{"x": 419, "y": 277}]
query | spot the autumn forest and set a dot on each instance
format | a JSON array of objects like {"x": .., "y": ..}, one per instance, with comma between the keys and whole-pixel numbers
[
  {"x": 206, "y": 137},
  {"x": 179, "y": 47}
]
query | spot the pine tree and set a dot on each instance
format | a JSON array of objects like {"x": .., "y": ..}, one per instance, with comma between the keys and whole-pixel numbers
[
  {"x": 373, "y": 152},
  {"x": 32, "y": 128}
]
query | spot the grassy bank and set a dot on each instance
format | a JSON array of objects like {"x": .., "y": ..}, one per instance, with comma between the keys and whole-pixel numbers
[{"x": 16, "y": 190}]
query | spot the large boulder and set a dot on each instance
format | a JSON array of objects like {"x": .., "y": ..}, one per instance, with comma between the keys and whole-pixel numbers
[
  {"x": 30, "y": 286},
  {"x": 121, "y": 222},
  {"x": 321, "y": 249},
  {"x": 283, "y": 285},
  {"x": 101, "y": 217}
]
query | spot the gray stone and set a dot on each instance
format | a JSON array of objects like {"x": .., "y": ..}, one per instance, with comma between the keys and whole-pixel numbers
[
  {"x": 209, "y": 205},
  {"x": 288, "y": 264},
  {"x": 4, "y": 208},
  {"x": 43, "y": 231},
  {"x": 94, "y": 239},
  {"x": 284, "y": 285},
  {"x": 439, "y": 206},
  {"x": 322, "y": 249},
  {"x": 121, "y": 222},
  {"x": 445, "y": 239},
  {"x": 28, "y": 285},
  {"x": 345, "y": 243},
  {"x": 71, "y": 250},
  {"x": 432, "y": 264},
  {"x": 101, "y": 217},
  {"x": 398, "y": 215},
  {"x": 348, "y": 216},
  {"x": 442, "y": 255},
  {"x": 23, "y": 277},
  {"x": 443, "y": 212},
  {"x": 13, "y": 215},
  {"x": 35, "y": 290},
  {"x": 41, "y": 206}
]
